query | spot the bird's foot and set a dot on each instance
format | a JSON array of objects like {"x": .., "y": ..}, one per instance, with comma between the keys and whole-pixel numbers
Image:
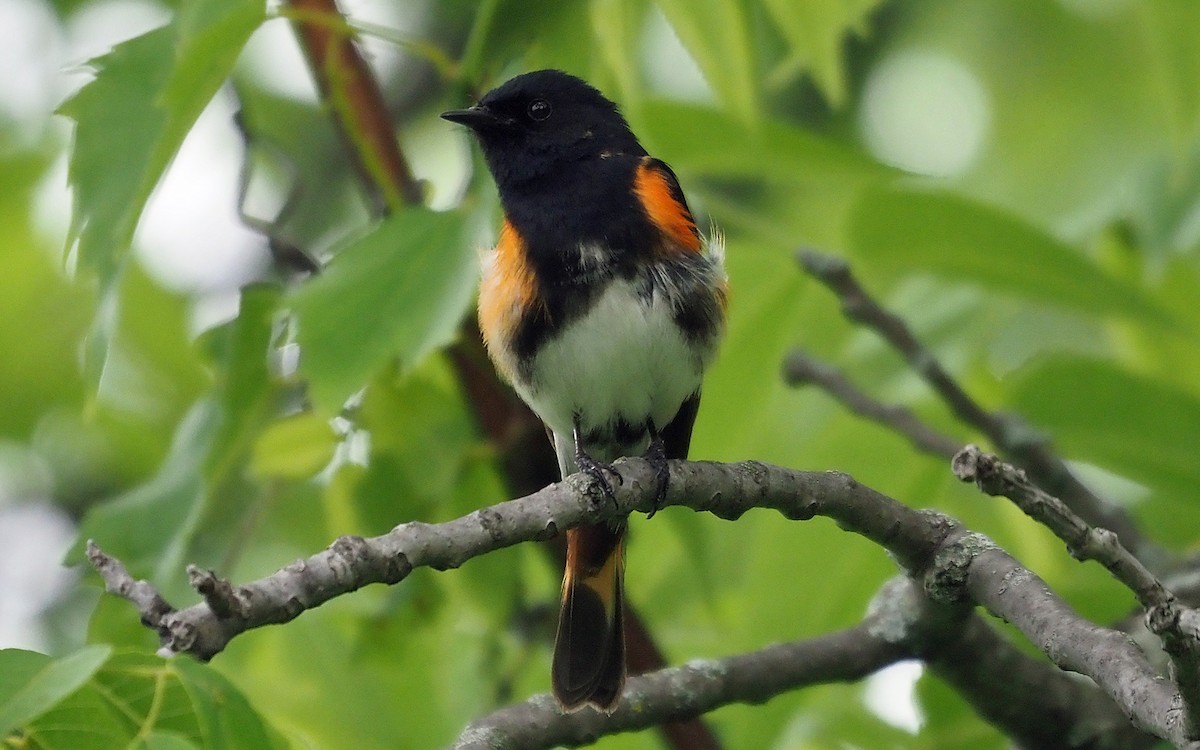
[
  {"x": 657, "y": 456},
  {"x": 599, "y": 472}
]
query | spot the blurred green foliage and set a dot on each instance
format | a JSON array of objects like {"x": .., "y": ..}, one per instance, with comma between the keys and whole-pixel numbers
[{"x": 1057, "y": 274}]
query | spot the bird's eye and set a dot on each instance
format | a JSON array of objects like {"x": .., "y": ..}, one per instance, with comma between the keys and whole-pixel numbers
[{"x": 539, "y": 110}]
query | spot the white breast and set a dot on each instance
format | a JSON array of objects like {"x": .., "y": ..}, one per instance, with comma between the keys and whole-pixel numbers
[{"x": 623, "y": 359}]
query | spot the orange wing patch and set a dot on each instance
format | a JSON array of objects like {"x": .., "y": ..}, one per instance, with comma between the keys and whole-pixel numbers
[
  {"x": 655, "y": 191},
  {"x": 508, "y": 291}
]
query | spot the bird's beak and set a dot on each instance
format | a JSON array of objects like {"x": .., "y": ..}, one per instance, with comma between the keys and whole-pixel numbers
[{"x": 476, "y": 118}]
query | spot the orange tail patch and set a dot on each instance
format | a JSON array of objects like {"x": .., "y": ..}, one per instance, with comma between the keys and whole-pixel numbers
[{"x": 589, "y": 648}]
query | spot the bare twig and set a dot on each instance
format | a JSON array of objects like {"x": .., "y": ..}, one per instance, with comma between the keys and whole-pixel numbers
[
  {"x": 1084, "y": 542},
  {"x": 800, "y": 367},
  {"x": 1024, "y": 445},
  {"x": 142, "y": 594},
  {"x": 834, "y": 272},
  {"x": 1165, "y": 616}
]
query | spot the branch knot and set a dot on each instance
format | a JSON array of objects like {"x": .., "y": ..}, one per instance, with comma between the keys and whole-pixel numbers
[{"x": 945, "y": 581}]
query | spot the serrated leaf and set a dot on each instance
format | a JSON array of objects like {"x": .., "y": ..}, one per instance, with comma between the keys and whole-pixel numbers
[
  {"x": 132, "y": 119},
  {"x": 1134, "y": 426},
  {"x": 717, "y": 35},
  {"x": 398, "y": 292},
  {"x": 816, "y": 30},
  {"x": 31, "y": 684},
  {"x": 294, "y": 448},
  {"x": 898, "y": 230}
]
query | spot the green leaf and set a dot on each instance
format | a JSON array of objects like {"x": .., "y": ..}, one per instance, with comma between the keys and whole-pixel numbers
[
  {"x": 84, "y": 720},
  {"x": 1129, "y": 424},
  {"x": 31, "y": 684},
  {"x": 149, "y": 526},
  {"x": 398, "y": 292},
  {"x": 168, "y": 741},
  {"x": 225, "y": 718},
  {"x": 33, "y": 292},
  {"x": 716, "y": 33},
  {"x": 248, "y": 398},
  {"x": 617, "y": 26},
  {"x": 816, "y": 31},
  {"x": 504, "y": 29},
  {"x": 161, "y": 704},
  {"x": 294, "y": 448},
  {"x": 898, "y": 230},
  {"x": 1170, "y": 39},
  {"x": 684, "y": 135},
  {"x": 148, "y": 365},
  {"x": 240, "y": 351},
  {"x": 131, "y": 120},
  {"x": 420, "y": 437}
]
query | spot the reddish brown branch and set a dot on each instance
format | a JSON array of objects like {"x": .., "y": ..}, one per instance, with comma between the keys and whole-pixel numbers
[{"x": 347, "y": 83}]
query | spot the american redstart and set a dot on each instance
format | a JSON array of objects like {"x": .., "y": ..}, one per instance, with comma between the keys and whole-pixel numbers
[{"x": 602, "y": 304}]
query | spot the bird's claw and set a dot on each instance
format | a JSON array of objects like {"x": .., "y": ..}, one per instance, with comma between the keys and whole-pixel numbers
[
  {"x": 599, "y": 472},
  {"x": 657, "y": 457}
]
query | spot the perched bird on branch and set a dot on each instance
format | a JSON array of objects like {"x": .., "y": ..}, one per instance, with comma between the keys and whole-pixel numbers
[{"x": 602, "y": 304}]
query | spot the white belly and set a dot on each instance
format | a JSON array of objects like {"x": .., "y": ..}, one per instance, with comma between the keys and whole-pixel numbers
[{"x": 625, "y": 359}]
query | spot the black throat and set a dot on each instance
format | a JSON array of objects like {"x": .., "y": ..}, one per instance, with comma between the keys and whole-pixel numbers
[{"x": 581, "y": 222}]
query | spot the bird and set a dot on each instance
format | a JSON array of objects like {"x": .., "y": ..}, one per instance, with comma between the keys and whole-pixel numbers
[{"x": 602, "y": 304}]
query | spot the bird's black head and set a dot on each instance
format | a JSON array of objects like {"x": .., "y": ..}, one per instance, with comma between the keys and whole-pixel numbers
[{"x": 542, "y": 122}]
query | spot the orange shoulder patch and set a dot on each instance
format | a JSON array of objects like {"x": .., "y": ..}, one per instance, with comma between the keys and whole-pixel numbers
[
  {"x": 656, "y": 191},
  {"x": 508, "y": 290}
]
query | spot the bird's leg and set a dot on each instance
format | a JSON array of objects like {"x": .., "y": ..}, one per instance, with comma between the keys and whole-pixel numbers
[
  {"x": 656, "y": 454},
  {"x": 593, "y": 468}
]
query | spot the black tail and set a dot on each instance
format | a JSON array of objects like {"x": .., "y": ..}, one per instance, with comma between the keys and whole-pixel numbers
[{"x": 589, "y": 648}]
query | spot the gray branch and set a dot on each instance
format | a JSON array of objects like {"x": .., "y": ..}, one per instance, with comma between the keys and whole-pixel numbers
[
  {"x": 728, "y": 491},
  {"x": 1024, "y": 445},
  {"x": 679, "y": 693},
  {"x": 1032, "y": 701},
  {"x": 956, "y": 568},
  {"x": 801, "y": 368},
  {"x": 1084, "y": 542},
  {"x": 1165, "y": 616}
]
